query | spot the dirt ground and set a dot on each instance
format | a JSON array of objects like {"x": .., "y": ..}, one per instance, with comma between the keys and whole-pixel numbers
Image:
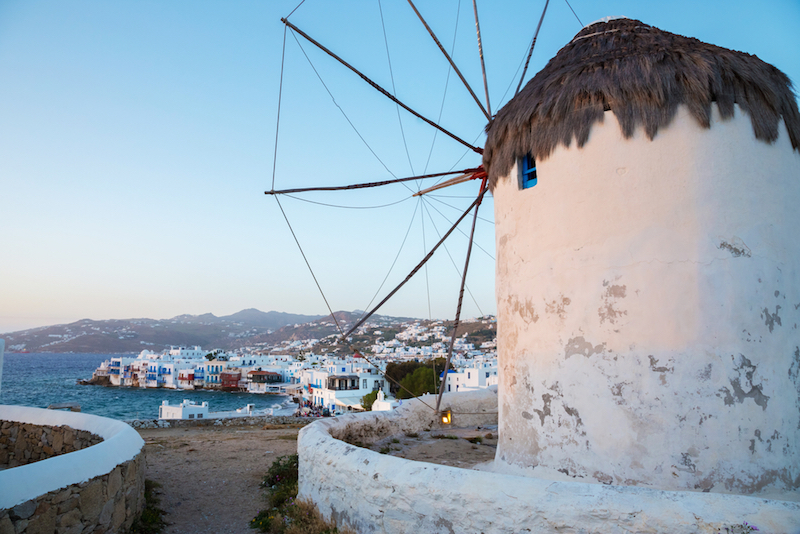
[{"x": 210, "y": 475}]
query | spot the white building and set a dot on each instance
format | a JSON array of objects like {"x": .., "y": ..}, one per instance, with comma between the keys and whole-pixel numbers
[
  {"x": 384, "y": 404},
  {"x": 341, "y": 384},
  {"x": 185, "y": 410}
]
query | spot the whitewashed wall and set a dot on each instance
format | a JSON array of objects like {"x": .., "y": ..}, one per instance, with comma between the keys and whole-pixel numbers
[
  {"x": 121, "y": 443},
  {"x": 648, "y": 300},
  {"x": 377, "y": 493}
]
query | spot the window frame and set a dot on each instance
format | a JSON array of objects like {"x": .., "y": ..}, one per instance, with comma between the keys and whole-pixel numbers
[{"x": 527, "y": 172}]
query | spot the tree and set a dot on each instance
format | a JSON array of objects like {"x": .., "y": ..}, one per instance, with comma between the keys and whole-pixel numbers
[
  {"x": 368, "y": 399},
  {"x": 396, "y": 372},
  {"x": 420, "y": 381}
]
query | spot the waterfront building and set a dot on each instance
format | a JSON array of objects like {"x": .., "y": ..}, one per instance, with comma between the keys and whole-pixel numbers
[{"x": 185, "y": 410}]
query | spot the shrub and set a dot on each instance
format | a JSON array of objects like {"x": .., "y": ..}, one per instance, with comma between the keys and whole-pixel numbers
[
  {"x": 151, "y": 521},
  {"x": 287, "y": 515},
  {"x": 282, "y": 471},
  {"x": 368, "y": 400}
]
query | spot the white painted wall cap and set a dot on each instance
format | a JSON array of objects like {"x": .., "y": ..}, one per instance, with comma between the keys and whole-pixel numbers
[{"x": 121, "y": 443}]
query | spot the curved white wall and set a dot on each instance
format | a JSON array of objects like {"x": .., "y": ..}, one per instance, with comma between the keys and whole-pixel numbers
[
  {"x": 648, "y": 296},
  {"x": 377, "y": 493},
  {"x": 120, "y": 444}
]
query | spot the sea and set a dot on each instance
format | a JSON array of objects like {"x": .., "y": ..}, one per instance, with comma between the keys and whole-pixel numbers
[{"x": 41, "y": 379}]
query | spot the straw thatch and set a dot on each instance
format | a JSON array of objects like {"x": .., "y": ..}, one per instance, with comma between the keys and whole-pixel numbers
[{"x": 641, "y": 74}]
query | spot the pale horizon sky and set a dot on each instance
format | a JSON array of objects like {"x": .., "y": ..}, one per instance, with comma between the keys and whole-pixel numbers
[{"x": 137, "y": 140}]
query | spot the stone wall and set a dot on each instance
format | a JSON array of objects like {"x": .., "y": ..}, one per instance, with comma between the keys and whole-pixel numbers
[
  {"x": 230, "y": 421},
  {"x": 24, "y": 443},
  {"x": 107, "y": 503},
  {"x": 93, "y": 489}
]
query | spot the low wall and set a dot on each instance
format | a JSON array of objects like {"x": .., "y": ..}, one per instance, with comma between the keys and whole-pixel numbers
[
  {"x": 99, "y": 488},
  {"x": 372, "y": 492},
  {"x": 229, "y": 421},
  {"x": 24, "y": 443}
]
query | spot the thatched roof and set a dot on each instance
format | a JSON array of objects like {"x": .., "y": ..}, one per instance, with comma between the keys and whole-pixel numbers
[{"x": 641, "y": 74}]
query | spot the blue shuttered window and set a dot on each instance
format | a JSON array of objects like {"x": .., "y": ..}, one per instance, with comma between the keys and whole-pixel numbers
[{"x": 528, "y": 172}]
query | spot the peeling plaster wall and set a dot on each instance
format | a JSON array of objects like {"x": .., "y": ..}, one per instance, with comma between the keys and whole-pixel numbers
[{"x": 648, "y": 302}]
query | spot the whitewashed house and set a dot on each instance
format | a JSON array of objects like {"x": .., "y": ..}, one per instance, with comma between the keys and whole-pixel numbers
[
  {"x": 384, "y": 404},
  {"x": 185, "y": 410}
]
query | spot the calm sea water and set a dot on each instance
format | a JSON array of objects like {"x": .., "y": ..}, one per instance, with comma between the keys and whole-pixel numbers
[{"x": 39, "y": 380}]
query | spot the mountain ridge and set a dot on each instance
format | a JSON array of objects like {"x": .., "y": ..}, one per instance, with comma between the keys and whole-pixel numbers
[{"x": 248, "y": 327}]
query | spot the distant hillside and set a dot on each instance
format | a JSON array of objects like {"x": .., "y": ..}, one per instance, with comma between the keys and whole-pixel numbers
[
  {"x": 245, "y": 328},
  {"x": 271, "y": 320}
]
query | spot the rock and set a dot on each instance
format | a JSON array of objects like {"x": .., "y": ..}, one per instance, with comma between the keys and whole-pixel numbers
[
  {"x": 118, "y": 518},
  {"x": 44, "y": 523},
  {"x": 58, "y": 441},
  {"x": 69, "y": 505},
  {"x": 74, "y": 529},
  {"x": 114, "y": 482},
  {"x": 6, "y": 526},
  {"x": 71, "y": 518},
  {"x": 24, "y": 510},
  {"x": 20, "y": 526},
  {"x": 91, "y": 500},
  {"x": 61, "y": 497},
  {"x": 105, "y": 515}
]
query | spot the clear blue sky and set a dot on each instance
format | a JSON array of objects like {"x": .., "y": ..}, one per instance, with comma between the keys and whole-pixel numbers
[{"x": 136, "y": 141}]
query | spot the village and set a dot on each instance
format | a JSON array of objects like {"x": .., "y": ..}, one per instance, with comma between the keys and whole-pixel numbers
[{"x": 323, "y": 376}]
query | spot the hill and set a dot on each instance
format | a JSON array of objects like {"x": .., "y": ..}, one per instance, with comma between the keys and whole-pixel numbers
[
  {"x": 249, "y": 327},
  {"x": 134, "y": 335}
]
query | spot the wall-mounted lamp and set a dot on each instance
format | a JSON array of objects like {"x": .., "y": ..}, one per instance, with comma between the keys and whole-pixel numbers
[{"x": 447, "y": 417}]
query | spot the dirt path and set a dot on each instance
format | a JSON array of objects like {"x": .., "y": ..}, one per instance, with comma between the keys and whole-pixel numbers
[{"x": 210, "y": 475}]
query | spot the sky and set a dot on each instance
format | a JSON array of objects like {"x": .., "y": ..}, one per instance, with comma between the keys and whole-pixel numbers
[{"x": 137, "y": 140}]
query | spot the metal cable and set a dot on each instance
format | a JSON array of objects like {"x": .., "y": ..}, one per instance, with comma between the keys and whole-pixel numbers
[
  {"x": 280, "y": 95},
  {"x": 460, "y": 296},
  {"x": 447, "y": 251},
  {"x": 394, "y": 90},
  {"x": 341, "y": 110},
  {"x": 573, "y": 12},
  {"x": 349, "y": 207}
]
